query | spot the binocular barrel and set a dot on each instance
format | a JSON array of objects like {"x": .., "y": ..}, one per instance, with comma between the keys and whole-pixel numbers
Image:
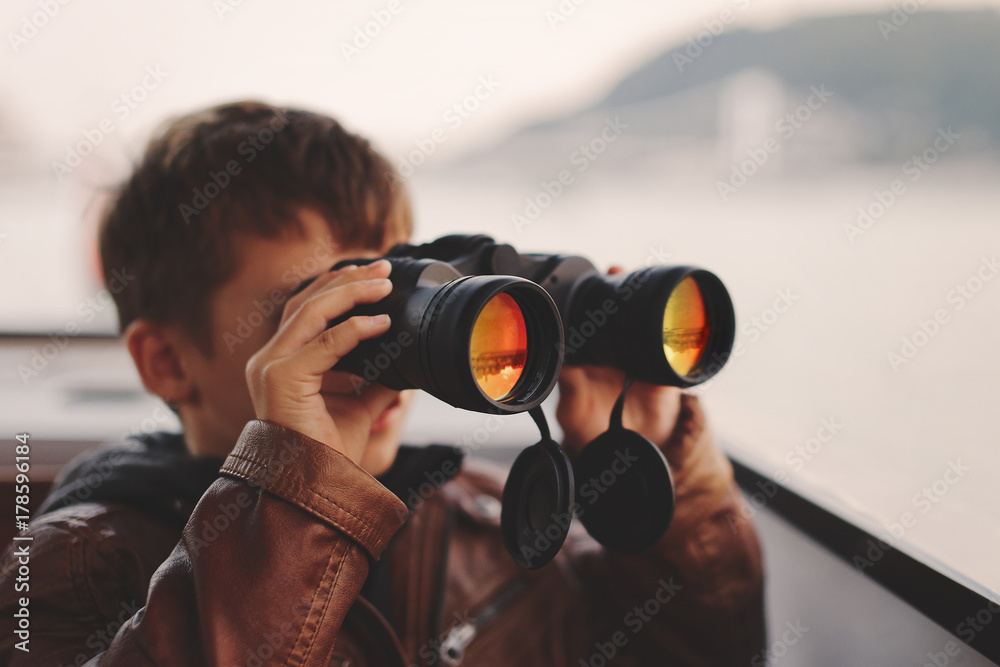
[
  {"x": 670, "y": 326},
  {"x": 485, "y": 328},
  {"x": 480, "y": 342}
]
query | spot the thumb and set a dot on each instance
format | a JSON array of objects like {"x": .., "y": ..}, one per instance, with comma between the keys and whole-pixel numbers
[
  {"x": 355, "y": 415},
  {"x": 367, "y": 399}
]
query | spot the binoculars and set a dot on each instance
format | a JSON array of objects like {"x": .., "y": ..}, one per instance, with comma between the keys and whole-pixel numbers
[{"x": 486, "y": 328}]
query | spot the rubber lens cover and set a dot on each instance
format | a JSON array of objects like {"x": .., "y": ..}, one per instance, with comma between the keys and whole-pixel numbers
[
  {"x": 537, "y": 504},
  {"x": 624, "y": 490}
]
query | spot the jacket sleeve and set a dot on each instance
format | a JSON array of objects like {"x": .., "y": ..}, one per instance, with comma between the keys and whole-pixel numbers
[
  {"x": 269, "y": 563},
  {"x": 696, "y": 597}
]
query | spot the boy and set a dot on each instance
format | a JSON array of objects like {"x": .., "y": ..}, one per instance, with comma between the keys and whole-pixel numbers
[{"x": 303, "y": 549}]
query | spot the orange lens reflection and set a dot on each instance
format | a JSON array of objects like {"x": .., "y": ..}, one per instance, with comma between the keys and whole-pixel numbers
[
  {"x": 685, "y": 327},
  {"x": 499, "y": 346}
]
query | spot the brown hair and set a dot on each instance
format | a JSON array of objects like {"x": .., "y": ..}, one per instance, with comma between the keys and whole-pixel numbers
[{"x": 246, "y": 168}]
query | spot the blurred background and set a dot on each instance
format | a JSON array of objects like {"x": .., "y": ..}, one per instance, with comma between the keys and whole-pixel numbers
[{"x": 835, "y": 163}]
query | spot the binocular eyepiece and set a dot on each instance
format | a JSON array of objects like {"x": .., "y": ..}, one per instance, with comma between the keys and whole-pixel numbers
[{"x": 485, "y": 328}]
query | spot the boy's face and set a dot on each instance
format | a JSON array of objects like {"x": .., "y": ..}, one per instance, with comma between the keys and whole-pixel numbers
[{"x": 245, "y": 314}]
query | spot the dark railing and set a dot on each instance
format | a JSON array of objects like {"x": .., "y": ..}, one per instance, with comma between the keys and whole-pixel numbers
[{"x": 935, "y": 595}]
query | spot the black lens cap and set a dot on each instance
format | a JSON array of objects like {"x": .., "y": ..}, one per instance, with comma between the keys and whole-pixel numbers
[
  {"x": 624, "y": 491},
  {"x": 537, "y": 505}
]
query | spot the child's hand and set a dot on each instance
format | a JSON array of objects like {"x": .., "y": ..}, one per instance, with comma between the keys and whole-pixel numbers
[
  {"x": 588, "y": 393},
  {"x": 286, "y": 376}
]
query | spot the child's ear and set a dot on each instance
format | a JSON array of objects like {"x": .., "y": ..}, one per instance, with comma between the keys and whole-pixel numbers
[{"x": 157, "y": 357}]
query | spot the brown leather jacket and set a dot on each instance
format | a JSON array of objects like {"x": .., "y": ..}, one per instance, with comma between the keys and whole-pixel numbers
[{"x": 297, "y": 527}]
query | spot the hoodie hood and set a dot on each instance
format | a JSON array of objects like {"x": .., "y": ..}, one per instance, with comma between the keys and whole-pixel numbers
[{"x": 155, "y": 473}]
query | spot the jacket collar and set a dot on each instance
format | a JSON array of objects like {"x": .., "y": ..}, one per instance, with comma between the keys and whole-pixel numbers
[{"x": 155, "y": 473}]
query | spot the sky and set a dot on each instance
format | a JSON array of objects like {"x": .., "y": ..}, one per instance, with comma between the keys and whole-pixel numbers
[{"x": 391, "y": 69}]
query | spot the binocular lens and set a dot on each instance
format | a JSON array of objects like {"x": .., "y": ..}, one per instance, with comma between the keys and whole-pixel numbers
[
  {"x": 685, "y": 327},
  {"x": 499, "y": 346}
]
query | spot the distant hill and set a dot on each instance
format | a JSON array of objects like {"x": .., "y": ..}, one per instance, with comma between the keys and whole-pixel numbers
[{"x": 892, "y": 88}]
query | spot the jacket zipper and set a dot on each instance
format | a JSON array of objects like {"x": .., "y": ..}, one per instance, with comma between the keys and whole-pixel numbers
[{"x": 458, "y": 639}]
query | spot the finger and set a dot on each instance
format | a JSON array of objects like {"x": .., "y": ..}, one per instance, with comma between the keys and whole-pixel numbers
[
  {"x": 314, "y": 316},
  {"x": 331, "y": 279},
  {"x": 303, "y": 290},
  {"x": 323, "y": 352},
  {"x": 650, "y": 406},
  {"x": 614, "y": 270},
  {"x": 355, "y": 415},
  {"x": 594, "y": 375},
  {"x": 571, "y": 380}
]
